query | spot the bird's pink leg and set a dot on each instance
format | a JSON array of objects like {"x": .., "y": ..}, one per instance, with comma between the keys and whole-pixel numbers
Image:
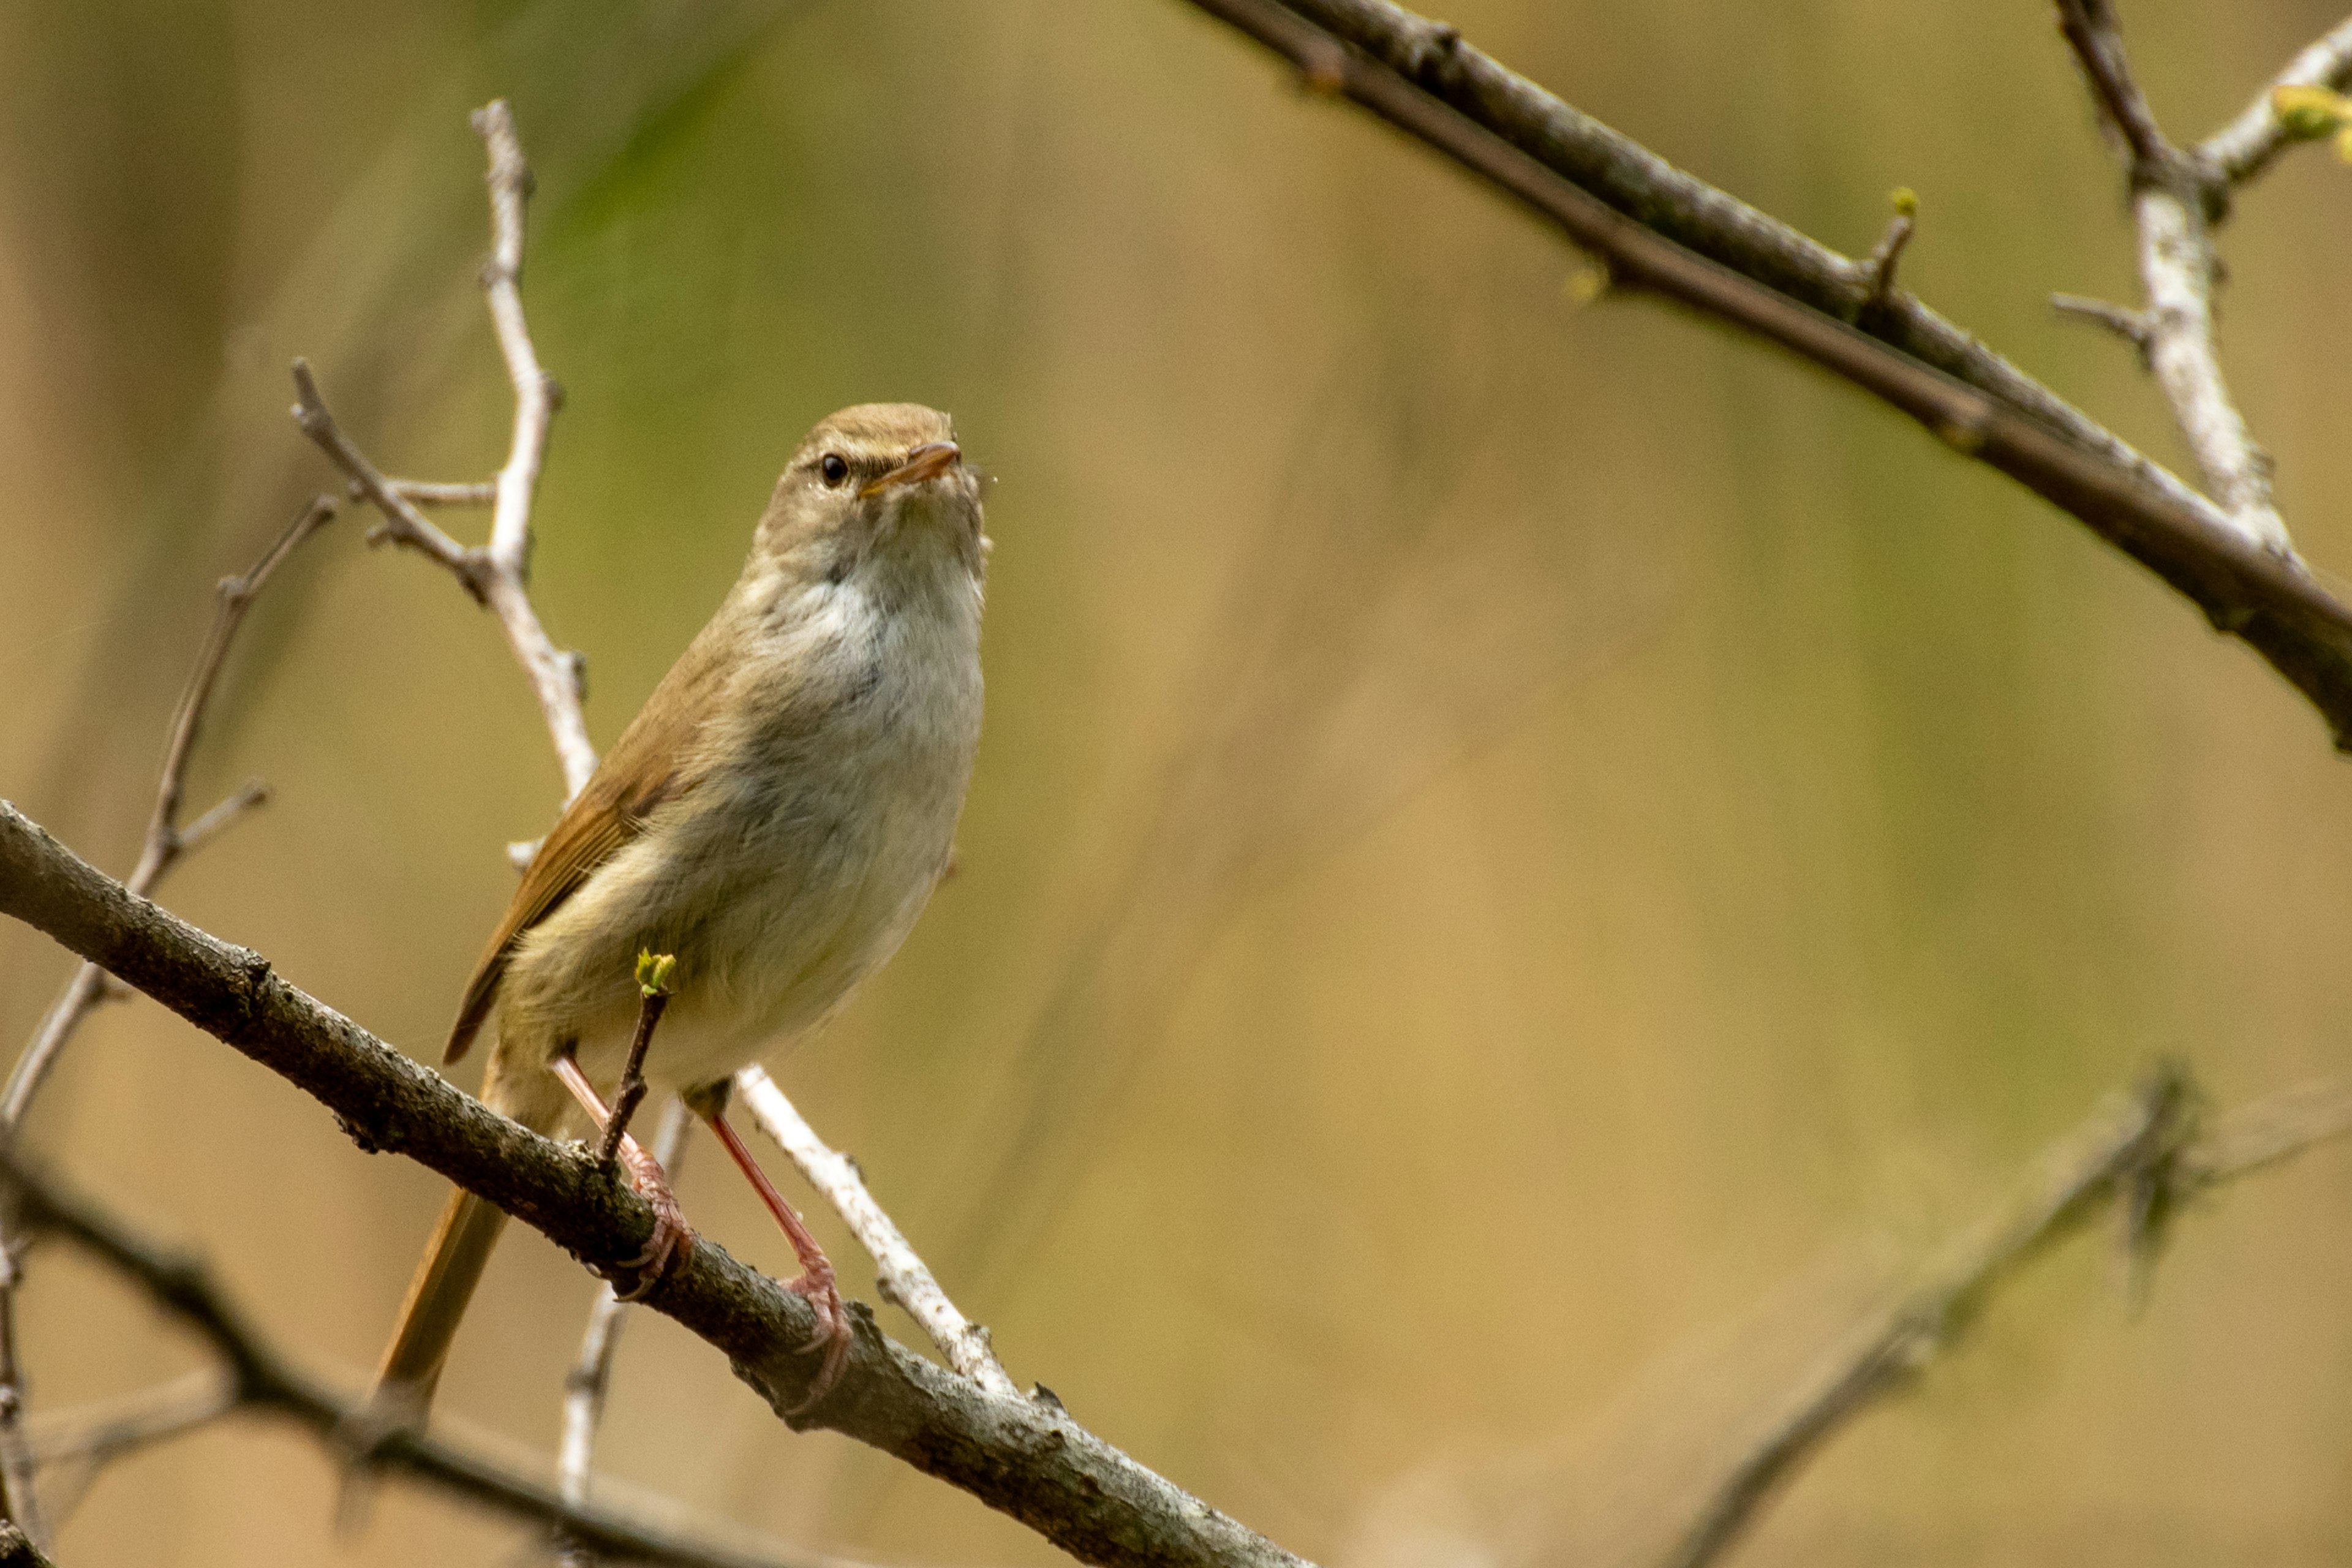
[
  {"x": 671, "y": 1238},
  {"x": 816, "y": 1283}
]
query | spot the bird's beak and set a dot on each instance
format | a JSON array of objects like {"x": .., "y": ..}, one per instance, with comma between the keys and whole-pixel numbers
[{"x": 926, "y": 461}]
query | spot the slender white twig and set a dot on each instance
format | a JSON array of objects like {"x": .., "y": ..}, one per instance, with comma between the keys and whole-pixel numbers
[
  {"x": 2178, "y": 269},
  {"x": 428, "y": 492},
  {"x": 899, "y": 1272},
  {"x": 496, "y": 574},
  {"x": 535, "y": 393},
  {"x": 2244, "y": 147},
  {"x": 592, "y": 1374}
]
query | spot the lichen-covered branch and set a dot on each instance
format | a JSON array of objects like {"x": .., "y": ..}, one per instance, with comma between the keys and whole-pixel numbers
[
  {"x": 1025, "y": 1458},
  {"x": 2245, "y": 148},
  {"x": 2171, "y": 192}
]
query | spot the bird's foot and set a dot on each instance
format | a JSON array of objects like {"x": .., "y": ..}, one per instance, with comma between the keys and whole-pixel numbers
[
  {"x": 834, "y": 1335},
  {"x": 672, "y": 1238}
]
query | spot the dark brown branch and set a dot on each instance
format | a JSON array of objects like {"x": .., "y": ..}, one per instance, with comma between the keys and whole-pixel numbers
[
  {"x": 1025, "y": 1457},
  {"x": 1615, "y": 198},
  {"x": 264, "y": 1381},
  {"x": 2089, "y": 27},
  {"x": 2145, "y": 1152}
]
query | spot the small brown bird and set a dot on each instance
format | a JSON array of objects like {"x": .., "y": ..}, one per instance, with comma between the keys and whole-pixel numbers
[{"x": 775, "y": 817}]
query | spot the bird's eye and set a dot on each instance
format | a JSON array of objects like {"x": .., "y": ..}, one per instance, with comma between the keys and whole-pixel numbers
[{"x": 836, "y": 468}]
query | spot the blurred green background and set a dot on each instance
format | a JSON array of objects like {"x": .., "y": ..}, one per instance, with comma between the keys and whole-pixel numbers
[{"x": 1523, "y": 856}]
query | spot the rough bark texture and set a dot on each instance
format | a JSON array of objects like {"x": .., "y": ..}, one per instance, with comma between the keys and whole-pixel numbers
[{"x": 1025, "y": 1458}]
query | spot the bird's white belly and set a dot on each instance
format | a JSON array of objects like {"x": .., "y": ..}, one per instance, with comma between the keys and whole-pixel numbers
[{"x": 793, "y": 871}]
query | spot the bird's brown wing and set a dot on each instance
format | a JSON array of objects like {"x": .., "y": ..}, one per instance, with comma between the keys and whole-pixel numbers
[{"x": 644, "y": 768}]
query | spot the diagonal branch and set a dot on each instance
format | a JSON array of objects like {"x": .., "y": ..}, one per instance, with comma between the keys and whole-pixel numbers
[
  {"x": 1660, "y": 228},
  {"x": 261, "y": 1379},
  {"x": 2143, "y": 1151},
  {"x": 2245, "y": 148},
  {"x": 1025, "y": 1458},
  {"x": 166, "y": 841}
]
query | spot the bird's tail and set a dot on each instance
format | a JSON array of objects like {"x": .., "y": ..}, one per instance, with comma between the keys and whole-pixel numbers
[
  {"x": 459, "y": 1250},
  {"x": 445, "y": 1282}
]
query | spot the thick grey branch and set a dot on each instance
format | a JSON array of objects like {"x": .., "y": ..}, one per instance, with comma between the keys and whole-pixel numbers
[
  {"x": 1025, "y": 1458},
  {"x": 1659, "y": 229}
]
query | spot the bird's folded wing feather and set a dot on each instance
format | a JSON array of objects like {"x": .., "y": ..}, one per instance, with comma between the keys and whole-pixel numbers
[{"x": 646, "y": 767}]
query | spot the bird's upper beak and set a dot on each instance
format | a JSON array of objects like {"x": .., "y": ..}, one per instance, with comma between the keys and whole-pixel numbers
[{"x": 926, "y": 461}]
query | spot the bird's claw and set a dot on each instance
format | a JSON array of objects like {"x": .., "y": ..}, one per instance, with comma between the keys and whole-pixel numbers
[
  {"x": 633, "y": 1278},
  {"x": 833, "y": 1333}
]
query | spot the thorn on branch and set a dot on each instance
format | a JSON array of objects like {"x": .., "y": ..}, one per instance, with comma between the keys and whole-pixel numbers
[
  {"x": 1878, "y": 267},
  {"x": 2131, "y": 326},
  {"x": 1323, "y": 67}
]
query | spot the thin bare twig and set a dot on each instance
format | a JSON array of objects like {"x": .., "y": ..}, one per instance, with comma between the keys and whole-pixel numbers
[
  {"x": 165, "y": 843},
  {"x": 2245, "y": 148},
  {"x": 72, "y": 1447},
  {"x": 2144, "y": 1150},
  {"x": 591, "y": 1374},
  {"x": 2129, "y": 325},
  {"x": 496, "y": 574},
  {"x": 900, "y": 1273},
  {"x": 427, "y": 492},
  {"x": 2089, "y": 27},
  {"x": 2172, "y": 193},
  {"x": 1878, "y": 267}
]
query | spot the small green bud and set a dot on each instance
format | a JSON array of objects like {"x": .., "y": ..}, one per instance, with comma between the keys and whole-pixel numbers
[
  {"x": 1906, "y": 200},
  {"x": 2308, "y": 113},
  {"x": 654, "y": 971}
]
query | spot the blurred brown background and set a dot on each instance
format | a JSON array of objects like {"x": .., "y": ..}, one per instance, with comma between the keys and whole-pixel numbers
[{"x": 1521, "y": 853}]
